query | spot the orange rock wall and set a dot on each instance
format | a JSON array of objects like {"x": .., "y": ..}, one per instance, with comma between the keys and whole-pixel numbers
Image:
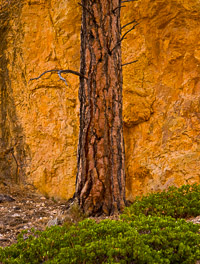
[
  {"x": 43, "y": 35},
  {"x": 39, "y": 120},
  {"x": 162, "y": 95}
]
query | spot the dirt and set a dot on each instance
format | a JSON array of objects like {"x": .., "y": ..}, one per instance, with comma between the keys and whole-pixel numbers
[{"x": 23, "y": 208}]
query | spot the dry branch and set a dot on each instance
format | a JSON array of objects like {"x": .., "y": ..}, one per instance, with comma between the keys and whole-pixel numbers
[
  {"x": 128, "y": 24},
  {"x": 113, "y": 11},
  {"x": 128, "y": 31},
  {"x": 129, "y": 63},
  {"x": 122, "y": 38},
  {"x": 129, "y": 1},
  {"x": 59, "y": 74}
]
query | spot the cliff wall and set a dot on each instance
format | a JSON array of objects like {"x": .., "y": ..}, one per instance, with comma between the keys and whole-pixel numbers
[{"x": 39, "y": 120}]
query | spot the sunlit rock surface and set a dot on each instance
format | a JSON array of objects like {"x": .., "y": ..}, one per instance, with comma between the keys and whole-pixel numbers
[
  {"x": 161, "y": 95},
  {"x": 39, "y": 120}
]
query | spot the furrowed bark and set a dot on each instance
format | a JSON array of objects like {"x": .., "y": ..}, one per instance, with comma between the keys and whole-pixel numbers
[{"x": 100, "y": 182}]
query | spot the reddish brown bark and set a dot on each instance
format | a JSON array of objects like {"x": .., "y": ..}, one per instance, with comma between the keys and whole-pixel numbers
[{"x": 100, "y": 183}]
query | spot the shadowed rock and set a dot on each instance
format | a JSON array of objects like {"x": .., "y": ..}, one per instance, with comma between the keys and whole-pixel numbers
[{"x": 6, "y": 198}]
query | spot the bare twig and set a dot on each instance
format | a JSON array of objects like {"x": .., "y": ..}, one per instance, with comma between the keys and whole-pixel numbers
[
  {"x": 113, "y": 11},
  {"x": 123, "y": 37},
  {"x": 129, "y": 63},
  {"x": 129, "y": 1},
  {"x": 128, "y": 31},
  {"x": 59, "y": 74},
  {"x": 73, "y": 72},
  {"x": 12, "y": 152},
  {"x": 128, "y": 24},
  {"x": 61, "y": 78},
  {"x": 36, "y": 78}
]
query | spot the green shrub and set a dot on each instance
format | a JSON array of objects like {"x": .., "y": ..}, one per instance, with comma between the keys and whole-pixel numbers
[
  {"x": 149, "y": 232},
  {"x": 144, "y": 240},
  {"x": 176, "y": 202}
]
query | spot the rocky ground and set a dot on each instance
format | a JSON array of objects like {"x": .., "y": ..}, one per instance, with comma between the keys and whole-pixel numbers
[{"x": 24, "y": 208}]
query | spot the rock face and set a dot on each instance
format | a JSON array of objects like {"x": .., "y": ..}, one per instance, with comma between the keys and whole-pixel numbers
[
  {"x": 161, "y": 97},
  {"x": 39, "y": 120}
]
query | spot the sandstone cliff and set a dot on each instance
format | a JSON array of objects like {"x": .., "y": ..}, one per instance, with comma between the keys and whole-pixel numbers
[{"x": 39, "y": 120}]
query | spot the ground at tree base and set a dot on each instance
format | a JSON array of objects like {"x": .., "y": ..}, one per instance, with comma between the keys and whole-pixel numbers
[
  {"x": 156, "y": 234},
  {"x": 31, "y": 209}
]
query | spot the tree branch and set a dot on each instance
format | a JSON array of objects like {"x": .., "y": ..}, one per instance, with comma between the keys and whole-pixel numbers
[
  {"x": 129, "y": 1},
  {"x": 128, "y": 24},
  {"x": 113, "y": 11},
  {"x": 73, "y": 72},
  {"x": 61, "y": 78},
  {"x": 59, "y": 74},
  {"x": 124, "y": 37},
  {"x": 36, "y": 78},
  {"x": 12, "y": 152},
  {"x": 128, "y": 32},
  {"x": 129, "y": 63}
]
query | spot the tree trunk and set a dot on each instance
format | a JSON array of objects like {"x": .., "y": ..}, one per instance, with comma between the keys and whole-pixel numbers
[{"x": 100, "y": 182}]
